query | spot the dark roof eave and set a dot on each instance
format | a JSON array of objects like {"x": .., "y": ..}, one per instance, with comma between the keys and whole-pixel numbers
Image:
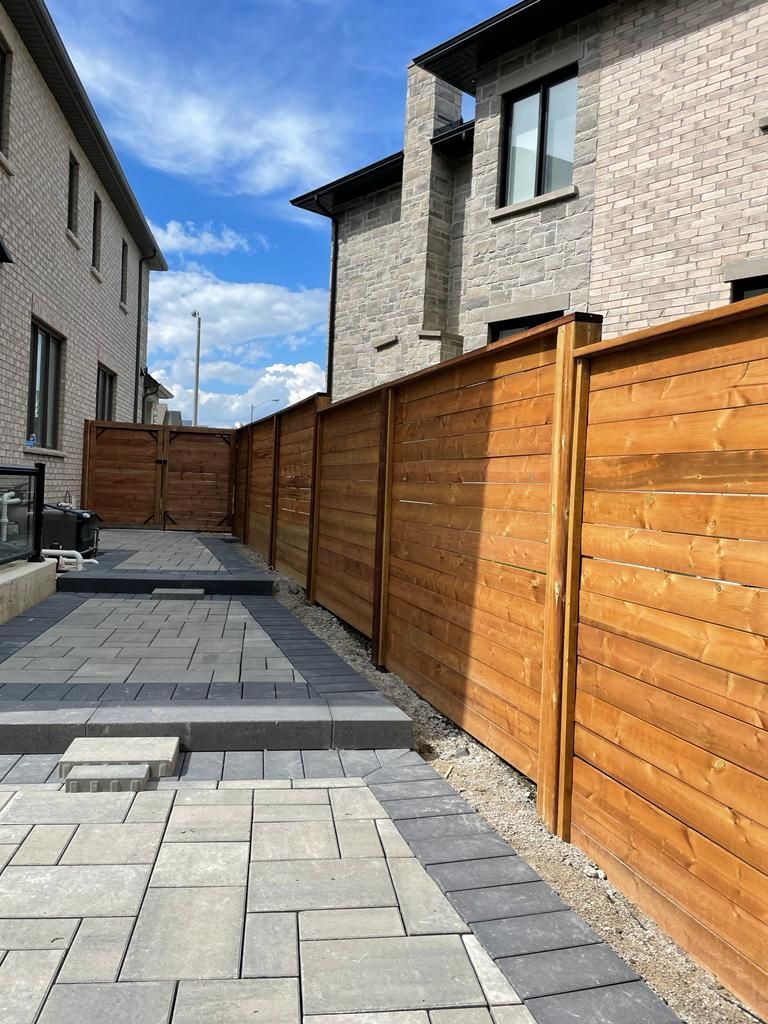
[
  {"x": 326, "y": 199},
  {"x": 41, "y": 38},
  {"x": 458, "y": 60}
]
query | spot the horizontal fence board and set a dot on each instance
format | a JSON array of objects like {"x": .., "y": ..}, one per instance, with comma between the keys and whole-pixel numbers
[
  {"x": 522, "y": 498},
  {"x": 719, "y": 430},
  {"x": 742, "y": 472},
  {"x": 522, "y": 469},
  {"x": 530, "y": 384},
  {"x": 500, "y": 523}
]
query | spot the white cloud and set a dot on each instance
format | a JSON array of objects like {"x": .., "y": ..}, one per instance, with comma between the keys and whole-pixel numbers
[
  {"x": 288, "y": 383},
  {"x": 234, "y": 313},
  {"x": 216, "y": 132},
  {"x": 245, "y": 326},
  {"x": 188, "y": 238}
]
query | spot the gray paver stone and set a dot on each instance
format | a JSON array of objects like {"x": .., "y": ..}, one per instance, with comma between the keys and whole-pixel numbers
[
  {"x": 44, "y": 807},
  {"x": 614, "y": 1004},
  {"x": 271, "y": 946},
  {"x": 216, "y": 824},
  {"x": 107, "y": 778},
  {"x": 97, "y": 951},
  {"x": 43, "y": 845},
  {"x": 506, "y": 901},
  {"x": 566, "y": 970},
  {"x": 113, "y": 1003},
  {"x": 425, "y": 909},
  {"x": 106, "y": 890},
  {"x": 273, "y": 1000},
  {"x": 350, "y": 924},
  {"x": 159, "y": 752},
  {"x": 534, "y": 934},
  {"x": 479, "y": 874},
  {"x": 358, "y": 839},
  {"x": 131, "y": 843},
  {"x": 25, "y": 977},
  {"x": 31, "y": 933},
  {"x": 190, "y": 933},
  {"x": 319, "y": 885},
  {"x": 293, "y": 840},
  {"x": 412, "y": 972},
  {"x": 496, "y": 987},
  {"x": 201, "y": 864}
]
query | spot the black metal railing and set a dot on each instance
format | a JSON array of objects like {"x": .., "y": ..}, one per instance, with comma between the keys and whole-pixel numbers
[{"x": 22, "y": 494}]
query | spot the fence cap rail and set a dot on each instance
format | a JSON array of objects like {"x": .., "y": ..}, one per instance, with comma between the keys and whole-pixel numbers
[
  {"x": 731, "y": 313},
  {"x": 317, "y": 397}
]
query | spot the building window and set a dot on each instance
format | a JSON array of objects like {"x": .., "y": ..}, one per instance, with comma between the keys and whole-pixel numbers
[
  {"x": 72, "y": 194},
  {"x": 44, "y": 385},
  {"x": 508, "y": 328},
  {"x": 5, "y": 94},
  {"x": 539, "y": 139},
  {"x": 749, "y": 288},
  {"x": 96, "y": 244},
  {"x": 105, "y": 394},
  {"x": 124, "y": 274}
]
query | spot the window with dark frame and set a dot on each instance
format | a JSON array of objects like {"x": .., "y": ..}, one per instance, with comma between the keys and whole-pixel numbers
[
  {"x": 44, "y": 387},
  {"x": 508, "y": 328},
  {"x": 749, "y": 288},
  {"x": 5, "y": 68},
  {"x": 124, "y": 274},
  {"x": 96, "y": 243},
  {"x": 73, "y": 194},
  {"x": 106, "y": 382},
  {"x": 539, "y": 138}
]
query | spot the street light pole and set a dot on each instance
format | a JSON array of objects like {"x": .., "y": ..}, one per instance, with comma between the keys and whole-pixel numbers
[
  {"x": 259, "y": 405},
  {"x": 199, "y": 319}
]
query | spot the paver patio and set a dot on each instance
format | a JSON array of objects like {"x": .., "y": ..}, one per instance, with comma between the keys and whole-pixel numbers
[{"x": 293, "y": 886}]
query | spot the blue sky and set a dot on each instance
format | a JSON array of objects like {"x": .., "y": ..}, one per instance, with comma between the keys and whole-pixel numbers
[{"x": 220, "y": 113}]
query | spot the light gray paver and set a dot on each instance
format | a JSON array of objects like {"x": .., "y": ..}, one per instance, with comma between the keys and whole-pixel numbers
[
  {"x": 31, "y": 933},
  {"x": 319, "y": 885},
  {"x": 44, "y": 845},
  {"x": 398, "y": 1017},
  {"x": 497, "y": 989},
  {"x": 355, "y": 803},
  {"x": 350, "y": 924},
  {"x": 150, "y": 807},
  {"x": 187, "y": 933},
  {"x": 273, "y": 812},
  {"x": 131, "y": 843},
  {"x": 47, "y": 807},
  {"x": 271, "y": 947},
  {"x": 393, "y": 843},
  {"x": 97, "y": 951},
  {"x": 213, "y": 824},
  {"x": 201, "y": 864},
  {"x": 425, "y": 909},
  {"x": 203, "y": 797},
  {"x": 160, "y": 753},
  {"x": 273, "y": 1000},
  {"x": 477, "y": 1015},
  {"x": 106, "y": 890},
  {"x": 288, "y": 799},
  {"x": 358, "y": 839},
  {"x": 107, "y": 778},
  {"x": 108, "y": 1004},
  {"x": 413, "y": 972},
  {"x": 294, "y": 840},
  {"x": 516, "y": 1015},
  {"x": 25, "y": 977}
]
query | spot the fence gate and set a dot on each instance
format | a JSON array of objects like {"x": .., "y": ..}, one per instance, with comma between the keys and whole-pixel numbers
[{"x": 178, "y": 478}]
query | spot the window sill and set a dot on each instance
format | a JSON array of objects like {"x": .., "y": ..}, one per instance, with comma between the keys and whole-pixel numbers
[
  {"x": 97, "y": 274},
  {"x": 5, "y": 164},
  {"x": 124, "y": 308},
  {"x": 54, "y": 453},
  {"x": 73, "y": 238},
  {"x": 558, "y": 196}
]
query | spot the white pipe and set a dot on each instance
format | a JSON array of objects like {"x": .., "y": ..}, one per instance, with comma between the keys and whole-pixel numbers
[
  {"x": 60, "y": 554},
  {"x": 6, "y": 499}
]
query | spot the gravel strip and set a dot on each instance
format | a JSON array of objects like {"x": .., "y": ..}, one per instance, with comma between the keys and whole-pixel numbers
[{"x": 507, "y": 800}]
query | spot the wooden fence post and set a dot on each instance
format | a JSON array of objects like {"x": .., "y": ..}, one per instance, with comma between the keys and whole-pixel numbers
[
  {"x": 314, "y": 505},
  {"x": 86, "y": 482},
  {"x": 275, "y": 491},
  {"x": 582, "y": 330},
  {"x": 383, "y": 519}
]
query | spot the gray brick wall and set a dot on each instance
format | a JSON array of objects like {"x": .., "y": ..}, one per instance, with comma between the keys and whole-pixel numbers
[
  {"x": 682, "y": 169},
  {"x": 670, "y": 168},
  {"x": 51, "y": 277}
]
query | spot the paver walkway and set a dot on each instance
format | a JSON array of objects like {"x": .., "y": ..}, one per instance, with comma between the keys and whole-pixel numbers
[
  {"x": 171, "y": 552},
  {"x": 378, "y": 899}
]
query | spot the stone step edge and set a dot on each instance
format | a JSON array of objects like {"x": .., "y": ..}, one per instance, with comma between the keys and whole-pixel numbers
[{"x": 107, "y": 778}]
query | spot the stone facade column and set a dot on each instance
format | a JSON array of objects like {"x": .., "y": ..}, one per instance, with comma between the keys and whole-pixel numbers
[{"x": 425, "y": 225}]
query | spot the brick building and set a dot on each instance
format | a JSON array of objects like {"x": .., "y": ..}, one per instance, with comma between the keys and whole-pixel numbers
[
  {"x": 75, "y": 257},
  {"x": 617, "y": 163}
]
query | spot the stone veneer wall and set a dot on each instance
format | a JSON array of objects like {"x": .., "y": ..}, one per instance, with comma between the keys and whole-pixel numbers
[
  {"x": 681, "y": 164},
  {"x": 51, "y": 278}
]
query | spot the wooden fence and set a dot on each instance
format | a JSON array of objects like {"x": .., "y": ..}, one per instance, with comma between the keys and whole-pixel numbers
[
  {"x": 561, "y": 543},
  {"x": 178, "y": 478}
]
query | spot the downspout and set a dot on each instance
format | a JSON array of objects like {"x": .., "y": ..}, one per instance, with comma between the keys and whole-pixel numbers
[
  {"x": 140, "y": 303},
  {"x": 332, "y": 302}
]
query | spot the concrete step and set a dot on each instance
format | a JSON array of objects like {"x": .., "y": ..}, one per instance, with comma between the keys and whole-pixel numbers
[
  {"x": 107, "y": 778},
  {"x": 342, "y": 721},
  {"x": 113, "y": 581},
  {"x": 159, "y": 752}
]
